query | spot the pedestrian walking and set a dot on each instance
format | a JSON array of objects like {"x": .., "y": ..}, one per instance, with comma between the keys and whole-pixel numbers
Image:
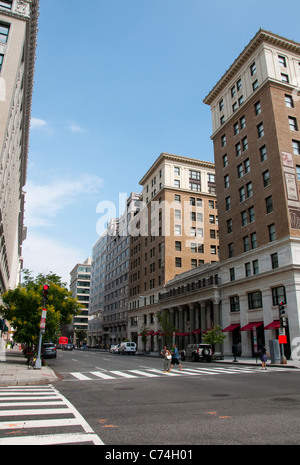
[
  {"x": 175, "y": 358},
  {"x": 167, "y": 362},
  {"x": 264, "y": 354}
]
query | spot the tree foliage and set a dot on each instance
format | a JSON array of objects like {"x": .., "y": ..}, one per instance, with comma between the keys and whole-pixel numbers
[
  {"x": 22, "y": 307},
  {"x": 214, "y": 336}
]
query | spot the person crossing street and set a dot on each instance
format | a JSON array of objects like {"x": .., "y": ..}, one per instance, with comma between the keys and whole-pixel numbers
[{"x": 175, "y": 358}]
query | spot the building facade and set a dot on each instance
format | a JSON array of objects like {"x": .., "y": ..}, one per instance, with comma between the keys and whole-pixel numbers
[
  {"x": 80, "y": 288},
  {"x": 255, "y": 116},
  {"x": 18, "y": 33},
  {"x": 175, "y": 230}
]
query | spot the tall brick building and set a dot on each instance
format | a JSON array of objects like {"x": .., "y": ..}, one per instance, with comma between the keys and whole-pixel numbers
[{"x": 255, "y": 110}]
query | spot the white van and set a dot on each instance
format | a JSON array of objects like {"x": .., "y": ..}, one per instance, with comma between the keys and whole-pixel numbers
[{"x": 127, "y": 348}]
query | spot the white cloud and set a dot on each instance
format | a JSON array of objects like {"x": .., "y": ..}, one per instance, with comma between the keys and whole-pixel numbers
[
  {"x": 76, "y": 128},
  {"x": 43, "y": 202},
  {"x": 44, "y": 255},
  {"x": 36, "y": 123}
]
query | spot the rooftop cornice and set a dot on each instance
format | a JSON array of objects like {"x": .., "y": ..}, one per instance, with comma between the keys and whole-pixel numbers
[
  {"x": 262, "y": 36},
  {"x": 178, "y": 159}
]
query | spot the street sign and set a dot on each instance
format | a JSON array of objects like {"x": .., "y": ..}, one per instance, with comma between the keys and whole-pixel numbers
[{"x": 282, "y": 339}]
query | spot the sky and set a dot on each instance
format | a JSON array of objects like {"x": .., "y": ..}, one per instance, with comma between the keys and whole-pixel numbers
[{"x": 118, "y": 82}]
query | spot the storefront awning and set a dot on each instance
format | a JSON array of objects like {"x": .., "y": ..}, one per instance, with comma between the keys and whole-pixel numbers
[
  {"x": 250, "y": 326},
  {"x": 182, "y": 334},
  {"x": 230, "y": 328},
  {"x": 157, "y": 333},
  {"x": 196, "y": 331},
  {"x": 275, "y": 324}
]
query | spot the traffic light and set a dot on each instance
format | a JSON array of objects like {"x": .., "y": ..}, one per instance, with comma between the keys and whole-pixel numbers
[
  {"x": 45, "y": 294},
  {"x": 282, "y": 314}
]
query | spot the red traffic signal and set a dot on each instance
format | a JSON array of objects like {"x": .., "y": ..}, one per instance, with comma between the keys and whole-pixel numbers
[{"x": 45, "y": 287}]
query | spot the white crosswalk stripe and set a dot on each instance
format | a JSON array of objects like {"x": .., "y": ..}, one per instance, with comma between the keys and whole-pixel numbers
[
  {"x": 154, "y": 373},
  {"x": 45, "y": 410}
]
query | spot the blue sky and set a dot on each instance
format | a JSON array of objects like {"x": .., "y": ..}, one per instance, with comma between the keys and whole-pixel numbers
[{"x": 117, "y": 82}]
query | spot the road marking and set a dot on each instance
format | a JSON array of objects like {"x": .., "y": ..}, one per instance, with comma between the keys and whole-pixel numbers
[
  {"x": 52, "y": 439},
  {"x": 123, "y": 374},
  {"x": 99, "y": 374},
  {"x": 80, "y": 376},
  {"x": 143, "y": 373}
]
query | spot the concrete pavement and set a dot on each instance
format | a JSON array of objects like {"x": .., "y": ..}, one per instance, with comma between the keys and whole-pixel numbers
[{"x": 14, "y": 370}]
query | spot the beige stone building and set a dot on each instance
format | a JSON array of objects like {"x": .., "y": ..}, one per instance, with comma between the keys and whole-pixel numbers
[
  {"x": 255, "y": 110},
  {"x": 18, "y": 31}
]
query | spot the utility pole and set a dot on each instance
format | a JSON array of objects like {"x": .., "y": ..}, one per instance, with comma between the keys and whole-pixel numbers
[{"x": 38, "y": 363}]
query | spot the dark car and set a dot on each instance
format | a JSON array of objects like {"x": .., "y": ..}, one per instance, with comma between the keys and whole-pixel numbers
[
  {"x": 49, "y": 350},
  {"x": 196, "y": 352}
]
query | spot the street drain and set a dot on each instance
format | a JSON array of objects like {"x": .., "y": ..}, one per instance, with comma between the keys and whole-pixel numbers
[{"x": 220, "y": 395}]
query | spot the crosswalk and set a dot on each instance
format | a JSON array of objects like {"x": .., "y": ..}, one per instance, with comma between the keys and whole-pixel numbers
[
  {"x": 145, "y": 372},
  {"x": 40, "y": 415}
]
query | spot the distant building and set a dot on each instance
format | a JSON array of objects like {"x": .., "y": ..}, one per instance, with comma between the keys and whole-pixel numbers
[
  {"x": 18, "y": 33},
  {"x": 80, "y": 288}
]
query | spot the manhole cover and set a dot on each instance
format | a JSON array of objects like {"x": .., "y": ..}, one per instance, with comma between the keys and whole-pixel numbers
[{"x": 220, "y": 395}]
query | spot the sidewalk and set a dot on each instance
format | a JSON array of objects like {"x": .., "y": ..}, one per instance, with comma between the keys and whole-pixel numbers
[
  {"x": 254, "y": 361},
  {"x": 15, "y": 372}
]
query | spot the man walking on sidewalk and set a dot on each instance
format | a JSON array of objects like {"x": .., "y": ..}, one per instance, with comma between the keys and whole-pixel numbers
[{"x": 175, "y": 358}]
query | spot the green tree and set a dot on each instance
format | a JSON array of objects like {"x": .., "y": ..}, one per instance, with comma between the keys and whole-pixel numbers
[
  {"x": 167, "y": 327},
  {"x": 22, "y": 307},
  {"x": 214, "y": 336}
]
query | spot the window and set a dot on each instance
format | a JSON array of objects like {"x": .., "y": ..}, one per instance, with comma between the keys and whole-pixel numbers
[
  {"x": 221, "y": 105},
  {"x": 244, "y": 218},
  {"x": 232, "y": 274},
  {"x": 251, "y": 214},
  {"x": 255, "y": 84},
  {"x": 263, "y": 153},
  {"x": 245, "y": 143},
  {"x": 230, "y": 250},
  {"x": 178, "y": 246},
  {"x": 229, "y": 226},
  {"x": 289, "y": 101},
  {"x": 227, "y": 203},
  {"x": 246, "y": 244},
  {"x": 193, "y": 263},
  {"x": 266, "y": 178},
  {"x": 260, "y": 130},
  {"x": 254, "y": 300},
  {"x": 176, "y": 183},
  {"x": 247, "y": 165},
  {"x": 177, "y": 230},
  {"x": 177, "y": 214},
  {"x": 233, "y": 91},
  {"x": 274, "y": 261},
  {"x": 296, "y": 147},
  {"x": 235, "y": 303},
  {"x": 253, "y": 240},
  {"x": 239, "y": 84},
  {"x": 213, "y": 250},
  {"x": 247, "y": 269},
  {"x": 195, "y": 187},
  {"x": 253, "y": 69},
  {"x": 241, "y": 100},
  {"x": 223, "y": 140},
  {"x": 278, "y": 295},
  {"x": 282, "y": 61},
  {"x": 1, "y": 60},
  {"x": 272, "y": 232},
  {"x": 178, "y": 262},
  {"x": 249, "y": 189},
  {"x": 193, "y": 247},
  {"x": 298, "y": 172},
  {"x": 236, "y": 128},
  {"x": 242, "y": 194},
  {"x": 243, "y": 122},
  {"x": 269, "y": 204},
  {"x": 177, "y": 198},
  {"x": 293, "y": 123},
  {"x": 257, "y": 108},
  {"x": 176, "y": 171},
  {"x": 238, "y": 149},
  {"x": 255, "y": 266},
  {"x": 4, "y": 30},
  {"x": 195, "y": 175},
  {"x": 226, "y": 181},
  {"x": 284, "y": 78},
  {"x": 240, "y": 170},
  {"x": 225, "y": 160}
]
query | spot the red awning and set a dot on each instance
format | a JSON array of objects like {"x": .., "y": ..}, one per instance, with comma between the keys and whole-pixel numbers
[
  {"x": 230, "y": 328},
  {"x": 250, "y": 326},
  {"x": 150, "y": 333},
  {"x": 182, "y": 334},
  {"x": 275, "y": 324},
  {"x": 157, "y": 333},
  {"x": 196, "y": 331}
]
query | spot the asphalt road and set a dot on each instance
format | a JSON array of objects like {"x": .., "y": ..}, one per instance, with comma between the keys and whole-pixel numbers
[{"x": 127, "y": 400}]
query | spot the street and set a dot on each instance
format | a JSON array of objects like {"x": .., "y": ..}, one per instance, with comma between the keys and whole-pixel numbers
[{"x": 128, "y": 400}]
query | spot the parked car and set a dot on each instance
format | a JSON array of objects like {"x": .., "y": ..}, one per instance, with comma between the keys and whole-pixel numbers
[
  {"x": 127, "y": 348},
  {"x": 196, "y": 352},
  {"x": 68, "y": 347},
  {"x": 49, "y": 350},
  {"x": 114, "y": 349}
]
